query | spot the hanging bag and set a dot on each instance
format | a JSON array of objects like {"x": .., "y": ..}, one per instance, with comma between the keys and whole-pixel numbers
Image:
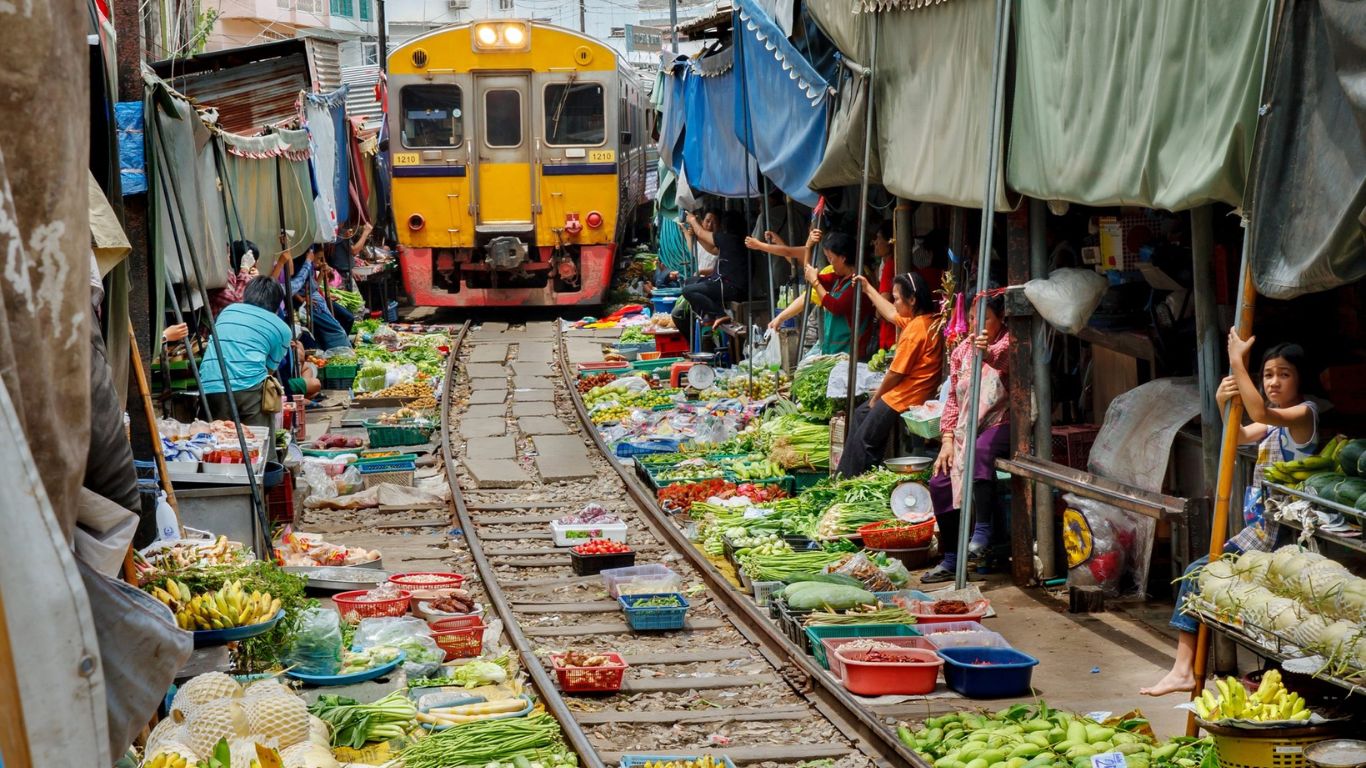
[{"x": 272, "y": 395}]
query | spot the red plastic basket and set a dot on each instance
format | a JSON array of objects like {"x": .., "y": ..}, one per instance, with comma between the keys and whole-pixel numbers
[
  {"x": 895, "y": 534},
  {"x": 461, "y": 637},
  {"x": 280, "y": 501},
  {"x": 606, "y": 679},
  {"x": 349, "y": 604},
  {"x": 836, "y": 662},
  {"x": 917, "y": 674},
  {"x": 409, "y": 581}
]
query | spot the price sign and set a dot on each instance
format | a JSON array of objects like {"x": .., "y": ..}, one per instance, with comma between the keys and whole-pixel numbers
[{"x": 1108, "y": 760}]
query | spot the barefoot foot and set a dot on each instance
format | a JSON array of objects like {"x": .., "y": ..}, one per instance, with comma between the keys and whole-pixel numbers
[{"x": 1174, "y": 682}]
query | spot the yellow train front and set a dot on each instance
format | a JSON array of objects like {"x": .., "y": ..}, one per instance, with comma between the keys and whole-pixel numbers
[{"x": 518, "y": 160}]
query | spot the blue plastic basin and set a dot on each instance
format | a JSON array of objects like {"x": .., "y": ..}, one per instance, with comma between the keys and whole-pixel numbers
[{"x": 988, "y": 673}]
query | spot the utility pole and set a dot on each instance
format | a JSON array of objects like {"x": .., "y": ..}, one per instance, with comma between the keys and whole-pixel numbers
[
  {"x": 382, "y": 35},
  {"x": 583, "y": 16},
  {"x": 673, "y": 24}
]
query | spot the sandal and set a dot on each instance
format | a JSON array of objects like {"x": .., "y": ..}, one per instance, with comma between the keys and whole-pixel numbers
[{"x": 936, "y": 575}]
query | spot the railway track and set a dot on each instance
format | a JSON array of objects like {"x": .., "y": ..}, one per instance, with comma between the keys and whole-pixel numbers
[{"x": 729, "y": 682}]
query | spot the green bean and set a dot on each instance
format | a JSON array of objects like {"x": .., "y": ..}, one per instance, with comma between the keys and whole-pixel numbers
[{"x": 482, "y": 742}]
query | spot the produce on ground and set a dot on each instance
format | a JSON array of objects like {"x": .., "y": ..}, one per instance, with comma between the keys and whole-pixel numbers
[
  {"x": 1043, "y": 738},
  {"x": 582, "y": 659},
  {"x": 754, "y": 469},
  {"x": 229, "y": 606},
  {"x": 793, "y": 442},
  {"x": 453, "y": 601},
  {"x": 949, "y": 607},
  {"x": 591, "y": 514},
  {"x": 662, "y": 601},
  {"x": 602, "y": 547},
  {"x": 683, "y": 495},
  {"x": 481, "y": 742},
  {"x": 845, "y": 518},
  {"x": 788, "y": 567},
  {"x": 189, "y": 554},
  {"x": 633, "y": 335},
  {"x": 355, "y": 724},
  {"x": 309, "y": 549},
  {"x": 374, "y": 656},
  {"x": 690, "y": 469},
  {"x": 478, "y": 672},
  {"x": 410, "y": 390},
  {"x": 333, "y": 441},
  {"x": 867, "y": 614},
  {"x": 588, "y": 383},
  {"x": 1271, "y": 702},
  {"x": 812, "y": 595},
  {"x": 213, "y": 717},
  {"x": 705, "y": 761}
]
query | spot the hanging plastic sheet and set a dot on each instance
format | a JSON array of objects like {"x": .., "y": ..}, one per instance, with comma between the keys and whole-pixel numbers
[
  {"x": 251, "y": 167},
  {"x": 184, "y": 180},
  {"x": 715, "y": 160},
  {"x": 841, "y": 162},
  {"x": 325, "y": 118},
  {"x": 780, "y": 103},
  {"x": 1308, "y": 189},
  {"x": 932, "y": 94},
  {"x": 673, "y": 111},
  {"x": 1167, "y": 124},
  {"x": 132, "y": 155}
]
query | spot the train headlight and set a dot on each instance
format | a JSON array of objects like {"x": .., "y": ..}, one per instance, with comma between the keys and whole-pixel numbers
[
  {"x": 593, "y": 220},
  {"x": 502, "y": 36}
]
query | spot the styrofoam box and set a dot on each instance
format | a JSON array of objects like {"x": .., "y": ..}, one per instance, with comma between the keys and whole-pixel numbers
[{"x": 569, "y": 535}]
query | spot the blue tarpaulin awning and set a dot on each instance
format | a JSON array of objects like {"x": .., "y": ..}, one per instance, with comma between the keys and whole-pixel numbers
[
  {"x": 780, "y": 103},
  {"x": 713, "y": 157}
]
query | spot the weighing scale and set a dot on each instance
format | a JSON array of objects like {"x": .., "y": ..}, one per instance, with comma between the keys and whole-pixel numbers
[
  {"x": 911, "y": 503},
  {"x": 698, "y": 378}
]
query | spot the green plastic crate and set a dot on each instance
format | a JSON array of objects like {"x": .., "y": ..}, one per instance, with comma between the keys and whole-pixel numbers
[
  {"x": 391, "y": 435},
  {"x": 650, "y": 366},
  {"x": 815, "y": 634}
]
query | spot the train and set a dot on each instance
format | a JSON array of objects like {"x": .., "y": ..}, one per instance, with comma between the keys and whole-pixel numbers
[{"x": 518, "y": 155}]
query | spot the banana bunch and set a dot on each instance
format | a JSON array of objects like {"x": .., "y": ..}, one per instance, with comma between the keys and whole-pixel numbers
[
  {"x": 230, "y": 606},
  {"x": 1271, "y": 702},
  {"x": 1299, "y": 470},
  {"x": 168, "y": 760}
]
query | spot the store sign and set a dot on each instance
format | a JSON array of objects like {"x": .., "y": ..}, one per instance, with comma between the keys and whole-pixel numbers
[{"x": 643, "y": 39}]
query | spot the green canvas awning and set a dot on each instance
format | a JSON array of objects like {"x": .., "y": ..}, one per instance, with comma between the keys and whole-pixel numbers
[
  {"x": 932, "y": 96},
  {"x": 1135, "y": 102}
]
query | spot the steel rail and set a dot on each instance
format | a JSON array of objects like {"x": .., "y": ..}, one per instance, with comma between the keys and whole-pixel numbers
[
  {"x": 540, "y": 679},
  {"x": 859, "y": 724}
]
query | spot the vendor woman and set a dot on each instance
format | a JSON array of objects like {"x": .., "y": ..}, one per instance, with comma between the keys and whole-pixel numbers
[
  {"x": 911, "y": 378},
  {"x": 950, "y": 478},
  {"x": 254, "y": 340},
  {"x": 837, "y": 293}
]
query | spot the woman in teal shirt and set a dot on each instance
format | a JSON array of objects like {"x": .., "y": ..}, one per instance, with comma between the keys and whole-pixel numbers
[
  {"x": 254, "y": 340},
  {"x": 837, "y": 293}
]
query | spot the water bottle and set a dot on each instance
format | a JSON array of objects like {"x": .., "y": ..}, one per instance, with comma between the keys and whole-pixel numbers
[{"x": 168, "y": 528}]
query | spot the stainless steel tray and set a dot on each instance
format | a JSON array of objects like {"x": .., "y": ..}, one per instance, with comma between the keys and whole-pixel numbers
[{"x": 339, "y": 578}]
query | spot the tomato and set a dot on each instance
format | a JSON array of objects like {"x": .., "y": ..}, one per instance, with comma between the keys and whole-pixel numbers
[{"x": 602, "y": 547}]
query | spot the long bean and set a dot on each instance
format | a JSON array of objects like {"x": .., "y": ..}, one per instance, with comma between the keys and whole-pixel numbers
[
  {"x": 482, "y": 742},
  {"x": 884, "y": 616}
]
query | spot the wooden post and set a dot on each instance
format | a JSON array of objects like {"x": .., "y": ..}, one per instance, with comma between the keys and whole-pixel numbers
[
  {"x": 1021, "y": 395},
  {"x": 146, "y": 391},
  {"x": 1228, "y": 458},
  {"x": 14, "y": 751}
]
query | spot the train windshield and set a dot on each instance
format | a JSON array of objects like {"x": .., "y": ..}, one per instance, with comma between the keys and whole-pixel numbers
[
  {"x": 574, "y": 114},
  {"x": 431, "y": 116}
]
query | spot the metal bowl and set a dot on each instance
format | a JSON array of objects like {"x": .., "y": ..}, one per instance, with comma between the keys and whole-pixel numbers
[
  {"x": 1336, "y": 753},
  {"x": 908, "y": 465},
  {"x": 339, "y": 578}
]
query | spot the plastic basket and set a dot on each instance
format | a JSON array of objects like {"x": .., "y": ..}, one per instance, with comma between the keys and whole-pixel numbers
[
  {"x": 639, "y": 761},
  {"x": 592, "y": 565},
  {"x": 650, "y": 366},
  {"x": 280, "y": 502},
  {"x": 399, "y": 463},
  {"x": 605, "y": 679},
  {"x": 1280, "y": 748},
  {"x": 641, "y": 579},
  {"x": 398, "y": 477},
  {"x": 790, "y": 622},
  {"x": 388, "y": 435},
  {"x": 572, "y": 534},
  {"x": 815, "y": 636},
  {"x": 894, "y": 534},
  {"x": 461, "y": 637},
  {"x": 962, "y": 634},
  {"x": 411, "y": 582},
  {"x": 627, "y": 450},
  {"x": 926, "y": 428},
  {"x": 349, "y": 604},
  {"x": 765, "y": 590},
  {"x": 831, "y": 644},
  {"x": 923, "y": 613},
  {"x": 915, "y": 675},
  {"x": 988, "y": 673},
  {"x": 654, "y": 618}
]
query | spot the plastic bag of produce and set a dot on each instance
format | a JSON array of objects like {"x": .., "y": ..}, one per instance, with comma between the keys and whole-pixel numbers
[
  {"x": 861, "y": 567},
  {"x": 767, "y": 351},
  {"x": 411, "y": 635},
  {"x": 317, "y": 648},
  {"x": 1068, "y": 297}
]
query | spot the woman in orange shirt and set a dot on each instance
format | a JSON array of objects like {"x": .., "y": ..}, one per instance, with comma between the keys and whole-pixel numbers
[{"x": 912, "y": 378}]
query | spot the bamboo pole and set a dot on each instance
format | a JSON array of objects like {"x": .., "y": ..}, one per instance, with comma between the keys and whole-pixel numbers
[
  {"x": 14, "y": 749},
  {"x": 1228, "y": 458},
  {"x": 855, "y": 331},
  {"x": 146, "y": 391}
]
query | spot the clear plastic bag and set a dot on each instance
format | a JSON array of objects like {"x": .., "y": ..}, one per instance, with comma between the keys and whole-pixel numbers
[
  {"x": 861, "y": 567},
  {"x": 1068, "y": 297},
  {"x": 1120, "y": 543},
  {"x": 770, "y": 354},
  {"x": 411, "y": 635},
  {"x": 317, "y": 648}
]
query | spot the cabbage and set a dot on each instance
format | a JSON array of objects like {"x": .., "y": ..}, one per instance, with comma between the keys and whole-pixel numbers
[{"x": 477, "y": 673}]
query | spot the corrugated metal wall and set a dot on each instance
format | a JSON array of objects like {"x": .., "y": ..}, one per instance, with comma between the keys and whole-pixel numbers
[
  {"x": 251, "y": 96},
  {"x": 360, "y": 100},
  {"x": 326, "y": 61}
]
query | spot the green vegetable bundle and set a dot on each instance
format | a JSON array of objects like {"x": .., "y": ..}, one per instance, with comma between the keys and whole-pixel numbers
[
  {"x": 787, "y": 566},
  {"x": 352, "y": 300},
  {"x": 481, "y": 742},
  {"x": 797, "y": 443},
  {"x": 355, "y": 724},
  {"x": 846, "y": 517},
  {"x": 808, "y": 388}
]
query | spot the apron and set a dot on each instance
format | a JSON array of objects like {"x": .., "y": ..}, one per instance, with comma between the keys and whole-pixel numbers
[
  {"x": 991, "y": 409},
  {"x": 835, "y": 335}
]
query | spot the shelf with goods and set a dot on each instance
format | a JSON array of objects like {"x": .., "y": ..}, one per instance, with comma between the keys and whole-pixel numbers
[
  {"x": 1273, "y": 646},
  {"x": 1352, "y": 514}
]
